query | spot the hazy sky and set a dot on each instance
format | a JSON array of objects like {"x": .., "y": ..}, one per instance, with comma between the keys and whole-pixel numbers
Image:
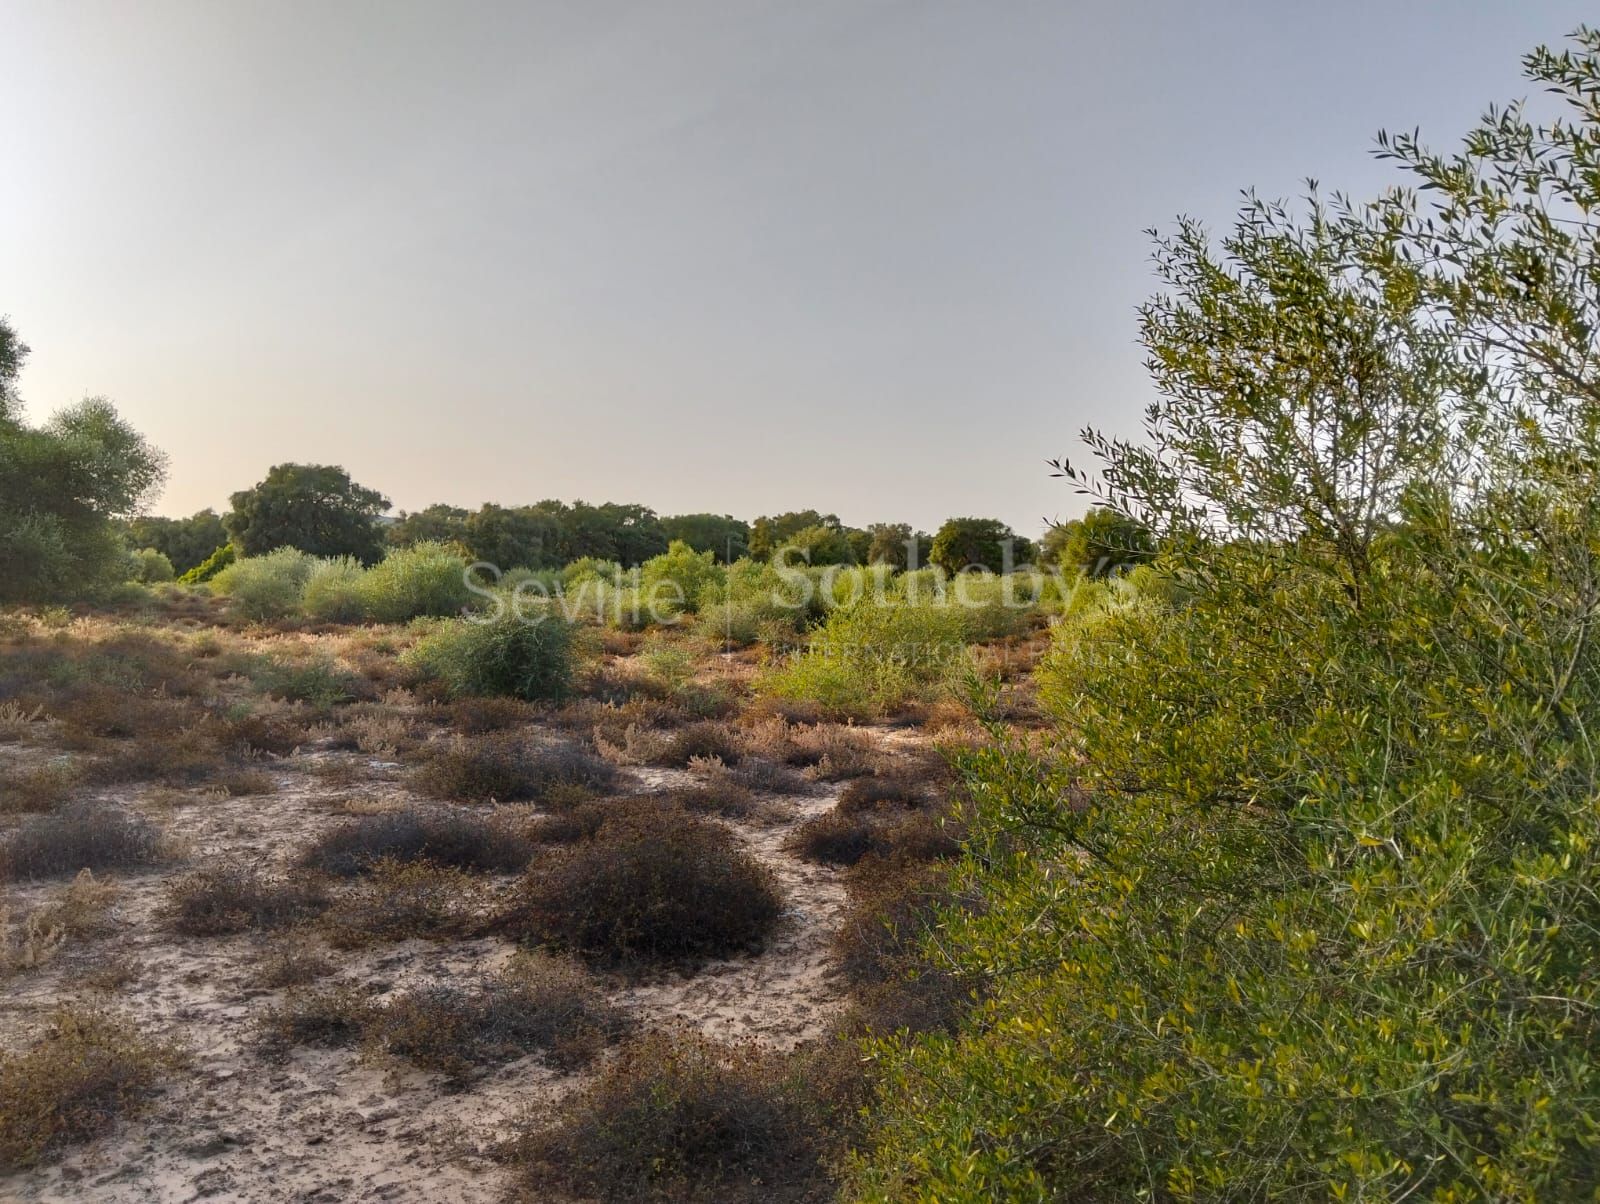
[{"x": 871, "y": 257}]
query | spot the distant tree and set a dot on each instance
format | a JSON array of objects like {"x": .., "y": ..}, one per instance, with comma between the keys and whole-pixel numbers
[
  {"x": 636, "y": 532},
  {"x": 438, "y": 523},
  {"x": 1100, "y": 544},
  {"x": 314, "y": 507},
  {"x": 725, "y": 537},
  {"x": 898, "y": 545},
  {"x": 820, "y": 545},
  {"x": 986, "y": 543},
  {"x": 769, "y": 533},
  {"x": 186, "y": 542},
  {"x": 521, "y": 537},
  {"x": 61, "y": 488}
]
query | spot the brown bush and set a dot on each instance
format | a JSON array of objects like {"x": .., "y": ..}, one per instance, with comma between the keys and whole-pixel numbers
[
  {"x": 538, "y": 1005},
  {"x": 80, "y": 836},
  {"x": 440, "y": 836},
  {"x": 681, "y": 1118},
  {"x": 652, "y": 882},
  {"x": 397, "y": 902},
  {"x": 181, "y": 756},
  {"x": 476, "y": 716},
  {"x": 510, "y": 769},
  {"x": 880, "y": 791},
  {"x": 234, "y": 897},
  {"x": 37, "y": 788},
  {"x": 844, "y": 838},
  {"x": 703, "y": 740},
  {"x": 329, "y": 1017},
  {"x": 88, "y": 1069},
  {"x": 276, "y": 735},
  {"x": 290, "y": 965}
]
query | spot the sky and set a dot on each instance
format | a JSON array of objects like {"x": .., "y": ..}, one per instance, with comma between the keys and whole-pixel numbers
[{"x": 879, "y": 258}]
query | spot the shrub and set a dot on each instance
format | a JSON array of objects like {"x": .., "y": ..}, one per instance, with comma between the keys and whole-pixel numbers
[
  {"x": 398, "y": 902},
  {"x": 36, "y": 788},
  {"x": 73, "y": 1083},
  {"x": 879, "y": 790},
  {"x": 427, "y": 578},
  {"x": 334, "y": 590},
  {"x": 208, "y": 568},
  {"x": 80, "y": 836},
  {"x": 330, "y": 1017},
  {"x": 290, "y": 965},
  {"x": 266, "y": 587},
  {"x": 235, "y": 897},
  {"x": 681, "y": 1118},
  {"x": 475, "y": 716},
  {"x": 844, "y": 838},
  {"x": 510, "y": 768},
  {"x": 651, "y": 883},
  {"x": 528, "y": 657},
  {"x": 537, "y": 1005},
  {"x": 318, "y": 681},
  {"x": 149, "y": 567},
  {"x": 436, "y": 835},
  {"x": 674, "y": 581},
  {"x": 873, "y": 657}
]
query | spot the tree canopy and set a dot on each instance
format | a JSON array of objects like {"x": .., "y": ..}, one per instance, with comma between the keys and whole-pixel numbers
[{"x": 316, "y": 508}]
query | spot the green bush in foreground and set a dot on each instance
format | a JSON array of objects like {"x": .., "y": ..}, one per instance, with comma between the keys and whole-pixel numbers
[
  {"x": 266, "y": 587},
  {"x": 531, "y": 657},
  {"x": 1302, "y": 907}
]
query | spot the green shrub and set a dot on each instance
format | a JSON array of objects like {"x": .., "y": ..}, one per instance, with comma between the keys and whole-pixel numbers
[
  {"x": 208, "y": 568},
  {"x": 426, "y": 579},
  {"x": 529, "y": 657},
  {"x": 874, "y": 657},
  {"x": 673, "y": 582},
  {"x": 266, "y": 587},
  {"x": 149, "y": 567},
  {"x": 334, "y": 591}
]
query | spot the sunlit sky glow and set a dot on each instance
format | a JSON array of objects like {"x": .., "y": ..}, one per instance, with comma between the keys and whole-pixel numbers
[{"x": 875, "y": 258}]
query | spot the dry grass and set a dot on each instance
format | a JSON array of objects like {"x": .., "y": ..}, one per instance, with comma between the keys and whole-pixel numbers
[
  {"x": 235, "y": 897},
  {"x": 87, "y": 1069},
  {"x": 438, "y": 836},
  {"x": 80, "y": 836}
]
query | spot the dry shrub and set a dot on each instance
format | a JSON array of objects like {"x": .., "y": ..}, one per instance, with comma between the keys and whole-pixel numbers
[
  {"x": 681, "y": 1118},
  {"x": 235, "y": 897},
  {"x": 879, "y": 947},
  {"x": 831, "y": 752},
  {"x": 82, "y": 912},
  {"x": 179, "y": 756},
  {"x": 538, "y": 1005},
  {"x": 80, "y": 836},
  {"x": 241, "y": 781},
  {"x": 721, "y": 796},
  {"x": 509, "y": 769},
  {"x": 100, "y": 712},
  {"x": 651, "y": 883},
  {"x": 844, "y": 838},
  {"x": 762, "y": 776},
  {"x": 397, "y": 902},
  {"x": 476, "y": 716},
  {"x": 292, "y": 964},
  {"x": 328, "y": 1017},
  {"x": 440, "y": 836},
  {"x": 86, "y": 1070},
  {"x": 17, "y": 722},
  {"x": 275, "y": 735},
  {"x": 37, "y": 788},
  {"x": 882, "y": 790}
]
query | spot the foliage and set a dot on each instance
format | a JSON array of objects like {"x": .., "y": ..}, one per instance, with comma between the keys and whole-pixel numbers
[
  {"x": 149, "y": 567},
  {"x": 528, "y": 656},
  {"x": 425, "y": 579},
  {"x": 316, "y": 508},
  {"x": 674, "y": 581},
  {"x": 874, "y": 657},
  {"x": 1302, "y": 906},
  {"x": 898, "y": 545},
  {"x": 208, "y": 568},
  {"x": 1100, "y": 543},
  {"x": 266, "y": 587},
  {"x": 725, "y": 537},
  {"x": 984, "y": 543},
  {"x": 61, "y": 487},
  {"x": 333, "y": 590},
  {"x": 186, "y": 542}
]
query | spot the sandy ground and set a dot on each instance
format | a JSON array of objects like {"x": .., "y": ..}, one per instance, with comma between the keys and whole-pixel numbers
[{"x": 331, "y": 1125}]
